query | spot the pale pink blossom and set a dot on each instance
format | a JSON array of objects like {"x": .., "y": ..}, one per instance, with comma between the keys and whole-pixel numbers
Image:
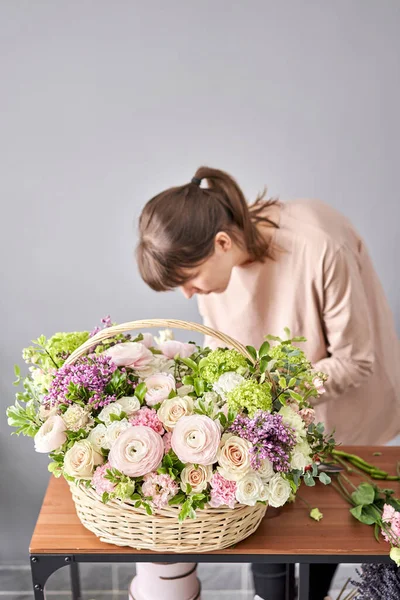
[
  {"x": 148, "y": 340},
  {"x": 159, "y": 386},
  {"x": 308, "y": 415},
  {"x": 147, "y": 416},
  {"x": 161, "y": 488},
  {"x": 171, "y": 348},
  {"x": 99, "y": 481},
  {"x": 223, "y": 492},
  {"x": 137, "y": 451},
  {"x": 195, "y": 439},
  {"x": 130, "y": 354},
  {"x": 167, "y": 442},
  {"x": 51, "y": 435},
  {"x": 319, "y": 385}
]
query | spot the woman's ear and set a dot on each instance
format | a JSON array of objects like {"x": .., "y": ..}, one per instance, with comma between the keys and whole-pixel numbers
[{"x": 223, "y": 242}]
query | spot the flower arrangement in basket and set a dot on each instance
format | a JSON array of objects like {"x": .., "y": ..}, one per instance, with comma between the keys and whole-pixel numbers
[{"x": 167, "y": 445}]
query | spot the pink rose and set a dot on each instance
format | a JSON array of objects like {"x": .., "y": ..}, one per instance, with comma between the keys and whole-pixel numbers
[
  {"x": 51, "y": 435},
  {"x": 195, "y": 439},
  {"x": 137, "y": 451},
  {"x": 319, "y": 385},
  {"x": 159, "y": 386},
  {"x": 171, "y": 348},
  {"x": 130, "y": 354}
]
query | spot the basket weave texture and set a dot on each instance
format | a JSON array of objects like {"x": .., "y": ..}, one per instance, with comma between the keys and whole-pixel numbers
[{"x": 122, "y": 524}]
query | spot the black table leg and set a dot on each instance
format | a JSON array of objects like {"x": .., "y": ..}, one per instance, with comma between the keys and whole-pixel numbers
[
  {"x": 304, "y": 581},
  {"x": 75, "y": 582},
  {"x": 42, "y": 566}
]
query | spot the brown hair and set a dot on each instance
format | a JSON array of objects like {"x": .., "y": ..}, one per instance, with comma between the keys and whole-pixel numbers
[{"x": 177, "y": 228}]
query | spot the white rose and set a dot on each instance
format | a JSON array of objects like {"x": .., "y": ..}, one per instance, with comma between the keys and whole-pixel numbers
[
  {"x": 292, "y": 418},
  {"x": 266, "y": 470},
  {"x": 164, "y": 336},
  {"x": 301, "y": 456},
  {"x": 114, "y": 431},
  {"x": 97, "y": 437},
  {"x": 197, "y": 476},
  {"x": 159, "y": 364},
  {"x": 173, "y": 409},
  {"x": 233, "y": 457},
  {"x": 159, "y": 386},
  {"x": 51, "y": 435},
  {"x": 80, "y": 460},
  {"x": 249, "y": 489},
  {"x": 227, "y": 382},
  {"x": 129, "y": 404},
  {"x": 110, "y": 409},
  {"x": 184, "y": 390},
  {"x": 279, "y": 491},
  {"x": 76, "y": 417}
]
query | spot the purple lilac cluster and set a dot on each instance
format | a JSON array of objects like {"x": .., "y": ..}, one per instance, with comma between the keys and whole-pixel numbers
[
  {"x": 106, "y": 323},
  {"x": 90, "y": 372},
  {"x": 270, "y": 438}
]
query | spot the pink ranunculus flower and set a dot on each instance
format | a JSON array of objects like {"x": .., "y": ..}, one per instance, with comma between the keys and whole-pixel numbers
[
  {"x": 130, "y": 354},
  {"x": 159, "y": 386},
  {"x": 148, "y": 340},
  {"x": 171, "y": 348},
  {"x": 195, "y": 439},
  {"x": 319, "y": 385},
  {"x": 51, "y": 435},
  {"x": 137, "y": 451}
]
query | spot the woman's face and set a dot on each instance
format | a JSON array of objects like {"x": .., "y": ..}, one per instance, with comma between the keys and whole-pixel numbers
[{"x": 214, "y": 273}]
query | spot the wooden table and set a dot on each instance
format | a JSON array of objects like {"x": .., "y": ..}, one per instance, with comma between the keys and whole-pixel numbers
[{"x": 288, "y": 536}]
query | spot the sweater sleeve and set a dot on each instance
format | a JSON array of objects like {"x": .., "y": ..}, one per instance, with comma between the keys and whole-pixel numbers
[{"x": 346, "y": 323}]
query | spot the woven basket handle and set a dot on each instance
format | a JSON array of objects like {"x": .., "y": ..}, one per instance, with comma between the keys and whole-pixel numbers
[{"x": 149, "y": 323}]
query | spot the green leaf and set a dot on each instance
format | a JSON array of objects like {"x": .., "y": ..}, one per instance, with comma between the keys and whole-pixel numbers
[
  {"x": 140, "y": 391},
  {"x": 177, "y": 499},
  {"x": 309, "y": 479},
  {"x": 282, "y": 382},
  {"x": 361, "y": 515},
  {"x": 292, "y": 382},
  {"x": 263, "y": 364},
  {"x": 187, "y": 380},
  {"x": 364, "y": 495},
  {"x": 190, "y": 363},
  {"x": 199, "y": 386},
  {"x": 252, "y": 351},
  {"x": 287, "y": 331},
  {"x": 324, "y": 478},
  {"x": 377, "y": 531},
  {"x": 295, "y": 395},
  {"x": 105, "y": 497},
  {"x": 265, "y": 347}
]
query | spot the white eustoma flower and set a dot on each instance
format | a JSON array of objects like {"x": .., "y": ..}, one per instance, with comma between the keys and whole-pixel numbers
[
  {"x": 227, "y": 382},
  {"x": 110, "y": 409},
  {"x": 97, "y": 437},
  {"x": 114, "y": 431},
  {"x": 130, "y": 404},
  {"x": 164, "y": 336}
]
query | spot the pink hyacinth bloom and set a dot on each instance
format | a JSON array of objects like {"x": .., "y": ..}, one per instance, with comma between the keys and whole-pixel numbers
[
  {"x": 100, "y": 483},
  {"x": 222, "y": 492},
  {"x": 161, "y": 488},
  {"x": 147, "y": 416}
]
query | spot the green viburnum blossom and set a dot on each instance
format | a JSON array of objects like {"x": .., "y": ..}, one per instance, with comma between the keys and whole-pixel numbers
[
  {"x": 51, "y": 353},
  {"x": 221, "y": 361},
  {"x": 250, "y": 395},
  {"x": 316, "y": 514}
]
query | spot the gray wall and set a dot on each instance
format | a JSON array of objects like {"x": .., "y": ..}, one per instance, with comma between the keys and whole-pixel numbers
[{"x": 103, "y": 104}]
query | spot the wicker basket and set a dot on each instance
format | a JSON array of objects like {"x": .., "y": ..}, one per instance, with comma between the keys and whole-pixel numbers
[{"x": 122, "y": 524}]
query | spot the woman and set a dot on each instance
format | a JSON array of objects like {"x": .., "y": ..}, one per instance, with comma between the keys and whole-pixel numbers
[{"x": 257, "y": 269}]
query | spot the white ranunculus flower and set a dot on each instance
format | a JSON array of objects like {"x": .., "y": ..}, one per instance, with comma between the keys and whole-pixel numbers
[
  {"x": 81, "y": 459},
  {"x": 233, "y": 457},
  {"x": 110, "y": 409},
  {"x": 159, "y": 386},
  {"x": 97, "y": 437},
  {"x": 51, "y": 435},
  {"x": 184, "y": 390},
  {"x": 249, "y": 489},
  {"x": 130, "y": 404},
  {"x": 164, "y": 336},
  {"x": 301, "y": 456},
  {"x": 173, "y": 409},
  {"x": 198, "y": 476},
  {"x": 76, "y": 417},
  {"x": 114, "y": 431},
  {"x": 279, "y": 491},
  {"x": 227, "y": 382},
  {"x": 266, "y": 470},
  {"x": 292, "y": 418}
]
